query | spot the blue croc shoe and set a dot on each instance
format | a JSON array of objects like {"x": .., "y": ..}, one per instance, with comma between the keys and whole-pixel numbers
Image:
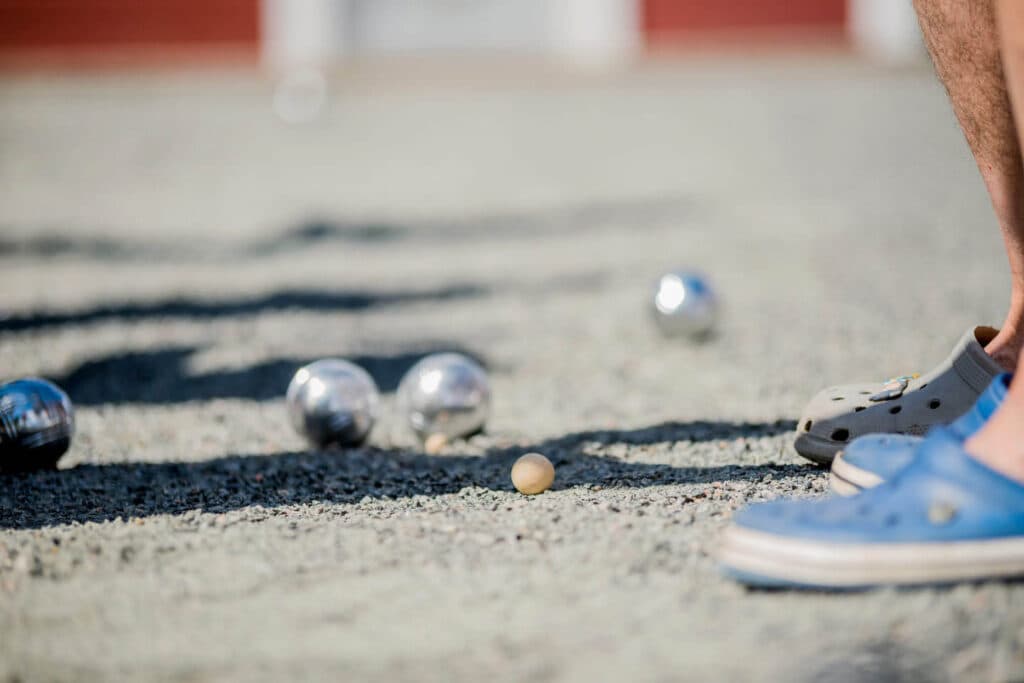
[
  {"x": 874, "y": 458},
  {"x": 945, "y": 518}
]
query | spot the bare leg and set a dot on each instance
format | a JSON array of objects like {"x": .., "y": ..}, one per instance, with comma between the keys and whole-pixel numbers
[
  {"x": 963, "y": 41},
  {"x": 1000, "y": 443}
]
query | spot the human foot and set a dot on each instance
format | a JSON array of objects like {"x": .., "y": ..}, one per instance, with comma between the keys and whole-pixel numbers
[
  {"x": 1005, "y": 348},
  {"x": 999, "y": 444}
]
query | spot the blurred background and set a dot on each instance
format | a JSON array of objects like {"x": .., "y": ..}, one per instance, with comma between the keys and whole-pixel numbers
[
  {"x": 224, "y": 118},
  {"x": 203, "y": 76}
]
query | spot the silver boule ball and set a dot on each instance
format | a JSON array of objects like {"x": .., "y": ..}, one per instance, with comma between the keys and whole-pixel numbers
[
  {"x": 447, "y": 394},
  {"x": 37, "y": 422},
  {"x": 333, "y": 401},
  {"x": 685, "y": 304}
]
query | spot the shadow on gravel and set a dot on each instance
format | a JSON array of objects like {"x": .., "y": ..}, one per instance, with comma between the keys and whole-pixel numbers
[
  {"x": 585, "y": 217},
  {"x": 97, "y": 493},
  {"x": 54, "y": 245},
  {"x": 162, "y": 376},
  {"x": 872, "y": 662},
  {"x": 300, "y": 300},
  {"x": 315, "y": 231},
  {"x": 309, "y": 233}
]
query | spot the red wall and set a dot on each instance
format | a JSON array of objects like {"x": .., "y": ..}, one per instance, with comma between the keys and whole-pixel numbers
[
  {"x": 69, "y": 24},
  {"x": 664, "y": 19},
  {"x": 69, "y": 27}
]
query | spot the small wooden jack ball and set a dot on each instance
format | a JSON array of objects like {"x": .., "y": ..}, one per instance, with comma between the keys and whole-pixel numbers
[
  {"x": 435, "y": 443},
  {"x": 532, "y": 474}
]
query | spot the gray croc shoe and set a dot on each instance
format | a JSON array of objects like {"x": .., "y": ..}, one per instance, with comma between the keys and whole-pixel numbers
[{"x": 903, "y": 405}]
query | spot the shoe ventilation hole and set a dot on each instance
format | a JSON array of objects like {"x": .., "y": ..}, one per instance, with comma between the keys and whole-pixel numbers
[
  {"x": 841, "y": 435},
  {"x": 922, "y": 386},
  {"x": 859, "y": 408},
  {"x": 895, "y": 409},
  {"x": 808, "y": 425},
  {"x": 865, "y": 393},
  {"x": 837, "y": 398},
  {"x": 934, "y": 403}
]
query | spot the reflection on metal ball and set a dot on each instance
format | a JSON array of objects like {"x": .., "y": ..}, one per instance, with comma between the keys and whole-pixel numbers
[
  {"x": 333, "y": 401},
  {"x": 447, "y": 394},
  {"x": 37, "y": 422},
  {"x": 685, "y": 304}
]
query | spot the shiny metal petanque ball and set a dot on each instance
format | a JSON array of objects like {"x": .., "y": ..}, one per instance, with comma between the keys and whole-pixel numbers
[
  {"x": 447, "y": 394},
  {"x": 685, "y": 305},
  {"x": 37, "y": 422},
  {"x": 333, "y": 401}
]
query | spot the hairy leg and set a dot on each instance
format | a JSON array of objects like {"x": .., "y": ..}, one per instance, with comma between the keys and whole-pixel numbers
[
  {"x": 962, "y": 38},
  {"x": 1000, "y": 443}
]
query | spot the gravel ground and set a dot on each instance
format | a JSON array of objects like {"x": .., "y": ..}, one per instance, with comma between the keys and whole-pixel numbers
[{"x": 170, "y": 253}]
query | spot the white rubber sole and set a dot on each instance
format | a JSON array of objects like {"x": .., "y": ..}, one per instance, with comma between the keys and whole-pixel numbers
[
  {"x": 848, "y": 480},
  {"x": 767, "y": 559}
]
